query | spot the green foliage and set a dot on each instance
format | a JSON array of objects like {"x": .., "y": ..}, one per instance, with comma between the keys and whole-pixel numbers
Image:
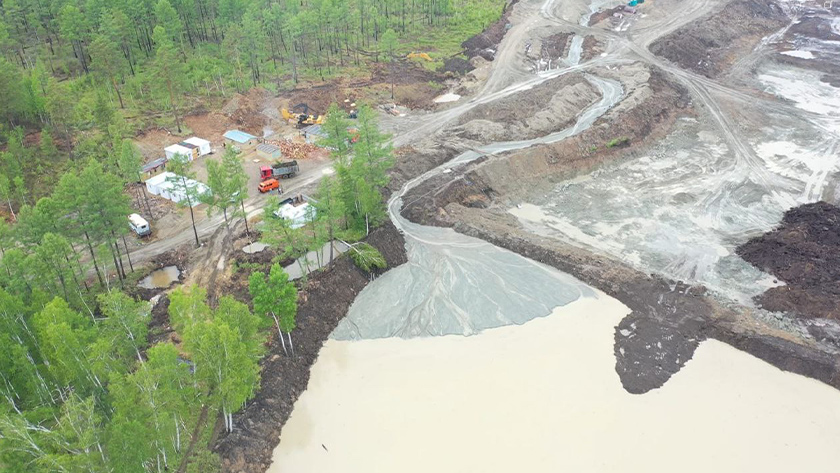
[
  {"x": 366, "y": 257},
  {"x": 361, "y": 179},
  {"x": 618, "y": 142},
  {"x": 275, "y": 295},
  {"x": 224, "y": 344}
]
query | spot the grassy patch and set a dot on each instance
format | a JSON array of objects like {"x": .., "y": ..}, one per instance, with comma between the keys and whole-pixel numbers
[{"x": 618, "y": 142}]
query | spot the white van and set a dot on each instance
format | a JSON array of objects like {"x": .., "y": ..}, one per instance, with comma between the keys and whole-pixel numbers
[{"x": 139, "y": 224}]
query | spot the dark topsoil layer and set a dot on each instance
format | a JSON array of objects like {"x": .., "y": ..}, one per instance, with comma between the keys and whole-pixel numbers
[
  {"x": 804, "y": 252},
  {"x": 710, "y": 45},
  {"x": 325, "y": 301},
  {"x": 484, "y": 44},
  {"x": 814, "y": 27}
]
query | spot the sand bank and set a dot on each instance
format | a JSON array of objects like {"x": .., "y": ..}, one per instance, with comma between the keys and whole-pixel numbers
[{"x": 544, "y": 396}]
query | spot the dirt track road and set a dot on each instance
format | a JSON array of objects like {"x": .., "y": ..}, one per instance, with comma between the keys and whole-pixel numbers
[{"x": 253, "y": 206}]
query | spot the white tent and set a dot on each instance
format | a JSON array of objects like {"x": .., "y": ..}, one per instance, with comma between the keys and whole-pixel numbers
[
  {"x": 158, "y": 185},
  {"x": 296, "y": 214},
  {"x": 172, "y": 150},
  {"x": 203, "y": 145}
]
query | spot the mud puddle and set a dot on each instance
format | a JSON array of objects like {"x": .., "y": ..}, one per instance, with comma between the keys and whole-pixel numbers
[{"x": 161, "y": 278}]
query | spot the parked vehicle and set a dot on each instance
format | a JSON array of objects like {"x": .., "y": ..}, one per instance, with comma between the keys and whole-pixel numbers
[
  {"x": 279, "y": 170},
  {"x": 139, "y": 225},
  {"x": 268, "y": 185}
]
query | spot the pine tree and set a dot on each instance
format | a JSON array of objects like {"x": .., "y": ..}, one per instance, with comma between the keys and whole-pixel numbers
[{"x": 184, "y": 185}]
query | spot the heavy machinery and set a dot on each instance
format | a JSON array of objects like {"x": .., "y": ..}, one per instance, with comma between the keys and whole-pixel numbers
[
  {"x": 419, "y": 55},
  {"x": 301, "y": 116},
  {"x": 279, "y": 170}
]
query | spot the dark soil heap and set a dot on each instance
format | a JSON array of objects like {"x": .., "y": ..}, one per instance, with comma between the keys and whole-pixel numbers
[
  {"x": 804, "y": 252},
  {"x": 484, "y": 44},
  {"x": 710, "y": 45}
]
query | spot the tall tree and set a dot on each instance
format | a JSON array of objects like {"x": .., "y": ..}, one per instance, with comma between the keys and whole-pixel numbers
[
  {"x": 222, "y": 189},
  {"x": 184, "y": 185},
  {"x": 130, "y": 166},
  {"x": 275, "y": 296},
  {"x": 108, "y": 60},
  {"x": 169, "y": 69}
]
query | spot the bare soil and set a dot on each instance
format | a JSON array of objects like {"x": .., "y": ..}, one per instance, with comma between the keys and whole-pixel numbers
[
  {"x": 555, "y": 46},
  {"x": 804, "y": 252},
  {"x": 668, "y": 319},
  {"x": 484, "y": 44},
  {"x": 323, "y": 303},
  {"x": 548, "y": 107},
  {"x": 592, "y": 48},
  {"x": 530, "y": 169},
  {"x": 709, "y": 46},
  {"x": 602, "y": 15}
]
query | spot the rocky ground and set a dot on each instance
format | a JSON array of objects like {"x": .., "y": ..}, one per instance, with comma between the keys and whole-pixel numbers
[
  {"x": 804, "y": 253},
  {"x": 711, "y": 45}
]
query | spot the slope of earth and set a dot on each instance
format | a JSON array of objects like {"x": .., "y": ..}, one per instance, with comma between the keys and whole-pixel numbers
[
  {"x": 804, "y": 252},
  {"x": 324, "y": 301},
  {"x": 548, "y": 107},
  {"x": 709, "y": 46}
]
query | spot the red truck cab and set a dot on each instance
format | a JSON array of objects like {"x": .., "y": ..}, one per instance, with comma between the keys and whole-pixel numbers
[{"x": 265, "y": 172}]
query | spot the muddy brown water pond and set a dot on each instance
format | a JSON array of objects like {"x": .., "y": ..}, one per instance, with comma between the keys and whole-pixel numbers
[{"x": 161, "y": 278}]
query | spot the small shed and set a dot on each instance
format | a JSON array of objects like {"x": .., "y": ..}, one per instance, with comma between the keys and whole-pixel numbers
[
  {"x": 313, "y": 133},
  {"x": 268, "y": 151},
  {"x": 240, "y": 140},
  {"x": 153, "y": 168},
  {"x": 184, "y": 149},
  {"x": 203, "y": 145}
]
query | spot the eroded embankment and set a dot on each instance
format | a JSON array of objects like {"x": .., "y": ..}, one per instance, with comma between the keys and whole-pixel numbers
[
  {"x": 548, "y": 107},
  {"x": 325, "y": 301},
  {"x": 652, "y": 105},
  {"x": 709, "y": 46}
]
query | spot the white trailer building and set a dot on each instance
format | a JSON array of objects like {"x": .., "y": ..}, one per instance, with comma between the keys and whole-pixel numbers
[
  {"x": 181, "y": 149},
  {"x": 159, "y": 185},
  {"x": 203, "y": 145}
]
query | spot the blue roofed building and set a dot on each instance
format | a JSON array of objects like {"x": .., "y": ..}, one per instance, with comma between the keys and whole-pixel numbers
[{"x": 240, "y": 140}]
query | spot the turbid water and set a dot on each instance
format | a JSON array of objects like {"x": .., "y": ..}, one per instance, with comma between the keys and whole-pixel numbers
[
  {"x": 545, "y": 396},
  {"x": 160, "y": 278}
]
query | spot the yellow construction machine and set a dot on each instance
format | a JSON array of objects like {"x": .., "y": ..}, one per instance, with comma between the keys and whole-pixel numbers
[
  {"x": 300, "y": 115},
  {"x": 420, "y": 55}
]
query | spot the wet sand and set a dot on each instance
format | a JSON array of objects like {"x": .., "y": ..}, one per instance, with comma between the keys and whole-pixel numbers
[{"x": 544, "y": 396}]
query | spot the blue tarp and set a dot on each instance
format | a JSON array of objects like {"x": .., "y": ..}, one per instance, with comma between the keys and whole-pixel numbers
[{"x": 239, "y": 136}]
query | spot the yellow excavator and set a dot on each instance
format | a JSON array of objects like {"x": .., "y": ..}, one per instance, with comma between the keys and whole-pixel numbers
[
  {"x": 419, "y": 55},
  {"x": 300, "y": 115}
]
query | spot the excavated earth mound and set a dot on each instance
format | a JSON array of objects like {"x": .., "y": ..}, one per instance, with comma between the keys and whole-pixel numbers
[
  {"x": 804, "y": 252},
  {"x": 550, "y": 106},
  {"x": 709, "y": 46}
]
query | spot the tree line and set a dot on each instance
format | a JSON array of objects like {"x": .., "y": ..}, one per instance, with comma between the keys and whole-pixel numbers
[{"x": 123, "y": 47}]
